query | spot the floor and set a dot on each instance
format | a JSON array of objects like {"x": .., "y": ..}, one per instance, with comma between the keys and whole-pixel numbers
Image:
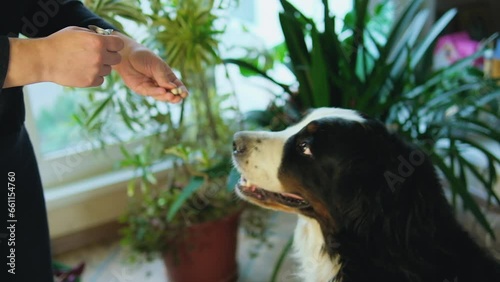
[{"x": 106, "y": 262}]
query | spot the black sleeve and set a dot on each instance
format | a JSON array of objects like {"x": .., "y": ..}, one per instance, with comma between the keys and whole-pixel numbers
[
  {"x": 44, "y": 17},
  {"x": 4, "y": 59}
]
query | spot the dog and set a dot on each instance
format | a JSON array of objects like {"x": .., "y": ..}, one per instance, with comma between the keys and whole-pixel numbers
[{"x": 370, "y": 206}]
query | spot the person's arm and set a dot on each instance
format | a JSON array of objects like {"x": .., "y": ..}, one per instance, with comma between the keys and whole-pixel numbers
[
  {"x": 72, "y": 56},
  {"x": 142, "y": 70},
  {"x": 22, "y": 63},
  {"x": 147, "y": 74},
  {"x": 59, "y": 14},
  {"x": 58, "y": 56}
]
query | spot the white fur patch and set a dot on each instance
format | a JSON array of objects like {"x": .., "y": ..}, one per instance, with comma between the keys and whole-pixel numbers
[{"x": 315, "y": 264}]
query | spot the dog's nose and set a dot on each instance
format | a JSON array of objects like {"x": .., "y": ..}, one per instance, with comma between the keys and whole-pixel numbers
[{"x": 239, "y": 144}]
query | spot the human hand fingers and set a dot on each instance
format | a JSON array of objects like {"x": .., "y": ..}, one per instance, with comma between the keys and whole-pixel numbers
[
  {"x": 104, "y": 70},
  {"x": 111, "y": 58},
  {"x": 166, "y": 78},
  {"x": 112, "y": 43},
  {"x": 167, "y": 97},
  {"x": 96, "y": 81},
  {"x": 151, "y": 89},
  {"x": 78, "y": 57}
]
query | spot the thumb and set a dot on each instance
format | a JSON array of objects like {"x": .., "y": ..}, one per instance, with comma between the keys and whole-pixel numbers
[{"x": 164, "y": 76}]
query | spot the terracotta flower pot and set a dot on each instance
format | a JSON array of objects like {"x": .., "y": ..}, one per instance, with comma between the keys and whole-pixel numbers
[{"x": 206, "y": 254}]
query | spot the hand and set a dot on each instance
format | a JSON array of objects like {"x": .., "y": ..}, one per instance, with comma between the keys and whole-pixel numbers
[
  {"x": 147, "y": 74},
  {"x": 72, "y": 56},
  {"x": 78, "y": 57}
]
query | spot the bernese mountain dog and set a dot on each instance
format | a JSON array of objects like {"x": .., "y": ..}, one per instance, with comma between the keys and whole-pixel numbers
[{"x": 370, "y": 207}]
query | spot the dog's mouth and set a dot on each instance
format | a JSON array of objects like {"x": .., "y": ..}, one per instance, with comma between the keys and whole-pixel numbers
[{"x": 260, "y": 194}]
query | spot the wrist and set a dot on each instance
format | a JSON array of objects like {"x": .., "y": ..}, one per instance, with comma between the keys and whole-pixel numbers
[
  {"x": 125, "y": 51},
  {"x": 26, "y": 64},
  {"x": 129, "y": 46}
]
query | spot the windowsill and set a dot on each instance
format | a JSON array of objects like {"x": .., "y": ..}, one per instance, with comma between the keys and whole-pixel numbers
[
  {"x": 66, "y": 195},
  {"x": 91, "y": 202}
]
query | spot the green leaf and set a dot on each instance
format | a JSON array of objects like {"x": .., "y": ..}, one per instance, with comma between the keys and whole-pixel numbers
[
  {"x": 77, "y": 119},
  {"x": 480, "y": 102},
  {"x": 151, "y": 178},
  {"x": 281, "y": 259},
  {"x": 221, "y": 169},
  {"x": 336, "y": 55},
  {"x": 489, "y": 131},
  {"x": 279, "y": 52},
  {"x": 480, "y": 147},
  {"x": 432, "y": 35},
  {"x": 402, "y": 54},
  {"x": 360, "y": 8},
  {"x": 98, "y": 111},
  {"x": 460, "y": 187},
  {"x": 232, "y": 179},
  {"x": 291, "y": 10},
  {"x": 250, "y": 67},
  {"x": 125, "y": 152},
  {"x": 361, "y": 71},
  {"x": 194, "y": 184},
  {"x": 474, "y": 170},
  {"x": 125, "y": 116},
  {"x": 258, "y": 117},
  {"x": 293, "y": 30},
  {"x": 409, "y": 37},
  {"x": 399, "y": 27},
  {"x": 319, "y": 73},
  {"x": 131, "y": 188}
]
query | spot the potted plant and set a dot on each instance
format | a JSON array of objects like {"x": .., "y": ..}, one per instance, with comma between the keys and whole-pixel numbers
[
  {"x": 182, "y": 204},
  {"x": 380, "y": 67}
]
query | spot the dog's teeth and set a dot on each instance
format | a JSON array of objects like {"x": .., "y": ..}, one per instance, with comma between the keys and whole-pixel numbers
[{"x": 245, "y": 182}]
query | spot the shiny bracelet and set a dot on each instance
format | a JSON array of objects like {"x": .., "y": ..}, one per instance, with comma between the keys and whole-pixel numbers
[{"x": 100, "y": 30}]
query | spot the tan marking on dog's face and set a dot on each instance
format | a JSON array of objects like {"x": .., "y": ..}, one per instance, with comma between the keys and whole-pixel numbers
[{"x": 261, "y": 161}]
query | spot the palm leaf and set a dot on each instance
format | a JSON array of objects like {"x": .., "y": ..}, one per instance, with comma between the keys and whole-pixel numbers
[
  {"x": 432, "y": 35},
  {"x": 460, "y": 187},
  {"x": 319, "y": 73},
  {"x": 398, "y": 29},
  {"x": 248, "y": 66},
  {"x": 486, "y": 184},
  {"x": 293, "y": 31}
]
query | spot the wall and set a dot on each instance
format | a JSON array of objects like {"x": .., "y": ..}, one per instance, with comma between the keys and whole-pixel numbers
[{"x": 473, "y": 14}]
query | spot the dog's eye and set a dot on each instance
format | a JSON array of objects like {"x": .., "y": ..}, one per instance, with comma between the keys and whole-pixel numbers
[{"x": 304, "y": 148}]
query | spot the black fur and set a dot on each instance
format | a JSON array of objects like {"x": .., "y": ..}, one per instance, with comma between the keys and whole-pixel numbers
[{"x": 387, "y": 217}]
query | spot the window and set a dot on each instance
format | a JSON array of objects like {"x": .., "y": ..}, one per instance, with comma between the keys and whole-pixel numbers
[{"x": 65, "y": 156}]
